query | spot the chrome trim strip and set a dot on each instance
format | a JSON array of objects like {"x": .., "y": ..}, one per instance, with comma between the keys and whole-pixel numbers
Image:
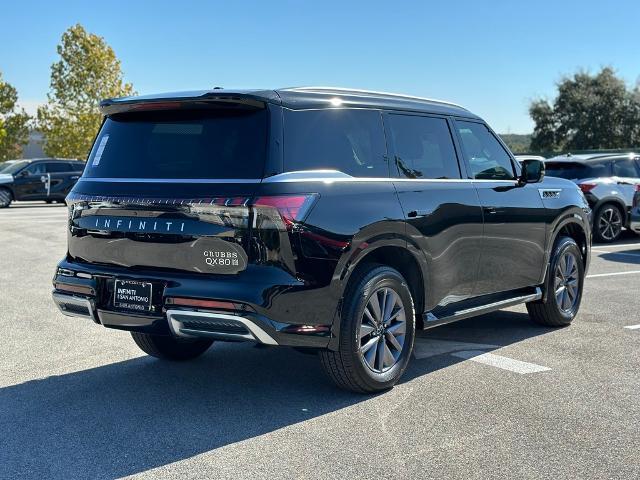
[
  {"x": 257, "y": 334},
  {"x": 170, "y": 180},
  {"x": 326, "y": 176},
  {"x": 60, "y": 299},
  {"x": 432, "y": 321}
]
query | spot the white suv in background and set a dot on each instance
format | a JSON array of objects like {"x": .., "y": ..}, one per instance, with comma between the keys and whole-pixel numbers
[{"x": 608, "y": 182}]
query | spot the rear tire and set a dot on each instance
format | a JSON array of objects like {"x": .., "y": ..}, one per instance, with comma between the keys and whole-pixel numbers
[
  {"x": 565, "y": 280},
  {"x": 608, "y": 223},
  {"x": 170, "y": 348},
  {"x": 375, "y": 343},
  {"x": 5, "y": 198}
]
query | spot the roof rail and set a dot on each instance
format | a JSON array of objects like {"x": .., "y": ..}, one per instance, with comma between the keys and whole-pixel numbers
[{"x": 373, "y": 92}]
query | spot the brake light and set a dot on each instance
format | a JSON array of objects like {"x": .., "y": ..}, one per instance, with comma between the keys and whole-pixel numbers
[
  {"x": 292, "y": 208},
  {"x": 636, "y": 196},
  {"x": 587, "y": 187}
]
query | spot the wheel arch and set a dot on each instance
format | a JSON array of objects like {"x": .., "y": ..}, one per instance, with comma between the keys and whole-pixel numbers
[{"x": 395, "y": 254}]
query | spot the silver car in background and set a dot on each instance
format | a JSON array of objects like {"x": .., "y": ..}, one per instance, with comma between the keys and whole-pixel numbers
[{"x": 608, "y": 181}]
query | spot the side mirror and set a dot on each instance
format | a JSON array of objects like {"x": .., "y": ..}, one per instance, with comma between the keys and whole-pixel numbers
[
  {"x": 532, "y": 171},
  {"x": 24, "y": 173}
]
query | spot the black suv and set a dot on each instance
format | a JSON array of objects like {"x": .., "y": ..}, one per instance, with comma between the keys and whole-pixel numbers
[
  {"x": 48, "y": 179},
  {"x": 328, "y": 220}
]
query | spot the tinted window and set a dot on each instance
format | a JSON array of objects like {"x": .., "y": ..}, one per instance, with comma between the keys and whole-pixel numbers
[
  {"x": 423, "y": 146},
  {"x": 575, "y": 170},
  {"x": 625, "y": 168},
  {"x": 76, "y": 167},
  {"x": 486, "y": 157},
  {"x": 185, "y": 144},
  {"x": 351, "y": 141},
  {"x": 36, "y": 169},
  {"x": 12, "y": 167},
  {"x": 58, "y": 167}
]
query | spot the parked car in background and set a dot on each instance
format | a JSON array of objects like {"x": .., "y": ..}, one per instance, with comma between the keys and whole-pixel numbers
[
  {"x": 635, "y": 211},
  {"x": 48, "y": 179},
  {"x": 607, "y": 181},
  {"x": 329, "y": 220}
]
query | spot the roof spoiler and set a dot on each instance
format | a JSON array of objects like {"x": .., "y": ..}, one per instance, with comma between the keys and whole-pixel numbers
[{"x": 217, "y": 99}]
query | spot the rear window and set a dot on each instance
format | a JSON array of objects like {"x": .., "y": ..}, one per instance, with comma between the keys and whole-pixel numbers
[
  {"x": 574, "y": 171},
  {"x": 348, "y": 140},
  {"x": 215, "y": 144}
]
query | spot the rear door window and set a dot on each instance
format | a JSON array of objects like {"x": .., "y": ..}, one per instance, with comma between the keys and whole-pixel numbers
[
  {"x": 58, "y": 167},
  {"x": 423, "y": 147},
  {"x": 486, "y": 156},
  {"x": 199, "y": 144},
  {"x": 625, "y": 168},
  {"x": 348, "y": 140}
]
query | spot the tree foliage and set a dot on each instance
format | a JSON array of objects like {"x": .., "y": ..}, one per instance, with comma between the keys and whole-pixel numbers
[
  {"x": 14, "y": 129},
  {"x": 87, "y": 72},
  {"x": 589, "y": 112}
]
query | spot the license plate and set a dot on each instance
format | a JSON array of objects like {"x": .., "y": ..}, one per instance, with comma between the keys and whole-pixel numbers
[{"x": 133, "y": 295}]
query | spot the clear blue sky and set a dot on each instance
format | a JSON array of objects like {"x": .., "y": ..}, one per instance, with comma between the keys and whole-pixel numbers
[{"x": 491, "y": 56}]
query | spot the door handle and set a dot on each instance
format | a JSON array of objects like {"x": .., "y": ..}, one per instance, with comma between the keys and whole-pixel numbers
[
  {"x": 75, "y": 177},
  {"x": 491, "y": 210}
]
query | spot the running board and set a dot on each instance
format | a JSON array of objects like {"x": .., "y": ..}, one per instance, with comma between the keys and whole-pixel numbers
[{"x": 431, "y": 320}]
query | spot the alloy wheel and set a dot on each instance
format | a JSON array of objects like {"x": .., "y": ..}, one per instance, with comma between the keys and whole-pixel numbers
[
  {"x": 610, "y": 223},
  {"x": 566, "y": 282},
  {"x": 382, "y": 330}
]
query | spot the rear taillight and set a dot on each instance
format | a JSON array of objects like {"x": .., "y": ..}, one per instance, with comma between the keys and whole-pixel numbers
[
  {"x": 636, "y": 196},
  {"x": 290, "y": 208},
  {"x": 587, "y": 187}
]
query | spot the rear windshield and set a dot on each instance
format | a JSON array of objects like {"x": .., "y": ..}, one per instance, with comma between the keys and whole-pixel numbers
[
  {"x": 12, "y": 167},
  {"x": 215, "y": 144},
  {"x": 573, "y": 171}
]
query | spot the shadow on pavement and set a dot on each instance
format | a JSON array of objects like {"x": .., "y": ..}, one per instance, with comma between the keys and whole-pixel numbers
[{"x": 135, "y": 415}]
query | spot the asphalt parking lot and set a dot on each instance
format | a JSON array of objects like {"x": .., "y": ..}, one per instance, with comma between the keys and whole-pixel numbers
[{"x": 490, "y": 397}]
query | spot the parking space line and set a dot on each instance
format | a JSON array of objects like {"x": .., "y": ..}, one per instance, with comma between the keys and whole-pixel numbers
[
  {"x": 431, "y": 347},
  {"x": 499, "y": 361},
  {"x": 633, "y": 327},
  {"x": 597, "y": 275},
  {"x": 619, "y": 246}
]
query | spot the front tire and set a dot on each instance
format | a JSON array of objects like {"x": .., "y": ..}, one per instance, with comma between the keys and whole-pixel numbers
[
  {"x": 170, "y": 348},
  {"x": 607, "y": 225},
  {"x": 377, "y": 330},
  {"x": 565, "y": 280},
  {"x": 5, "y": 198}
]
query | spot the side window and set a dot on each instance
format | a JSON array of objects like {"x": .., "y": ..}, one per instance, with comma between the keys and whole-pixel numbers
[
  {"x": 36, "y": 169},
  {"x": 423, "y": 147},
  {"x": 57, "y": 167},
  {"x": 76, "y": 167},
  {"x": 487, "y": 158},
  {"x": 625, "y": 168},
  {"x": 349, "y": 140}
]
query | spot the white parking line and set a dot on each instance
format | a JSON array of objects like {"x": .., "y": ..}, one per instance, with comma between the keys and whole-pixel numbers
[
  {"x": 597, "y": 275},
  {"x": 430, "y": 347},
  {"x": 633, "y": 327},
  {"x": 619, "y": 246},
  {"x": 499, "y": 361}
]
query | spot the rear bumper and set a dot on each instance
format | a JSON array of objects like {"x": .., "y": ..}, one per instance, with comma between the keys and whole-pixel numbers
[{"x": 253, "y": 322}]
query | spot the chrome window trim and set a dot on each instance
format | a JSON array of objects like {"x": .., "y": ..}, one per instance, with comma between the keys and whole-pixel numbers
[
  {"x": 325, "y": 176},
  {"x": 170, "y": 180}
]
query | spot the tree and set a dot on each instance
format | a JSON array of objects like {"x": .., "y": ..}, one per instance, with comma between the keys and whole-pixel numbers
[
  {"x": 14, "y": 129},
  {"x": 87, "y": 72},
  {"x": 589, "y": 112}
]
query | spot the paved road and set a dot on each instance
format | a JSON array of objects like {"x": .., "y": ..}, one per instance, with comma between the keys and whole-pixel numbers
[{"x": 491, "y": 397}]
